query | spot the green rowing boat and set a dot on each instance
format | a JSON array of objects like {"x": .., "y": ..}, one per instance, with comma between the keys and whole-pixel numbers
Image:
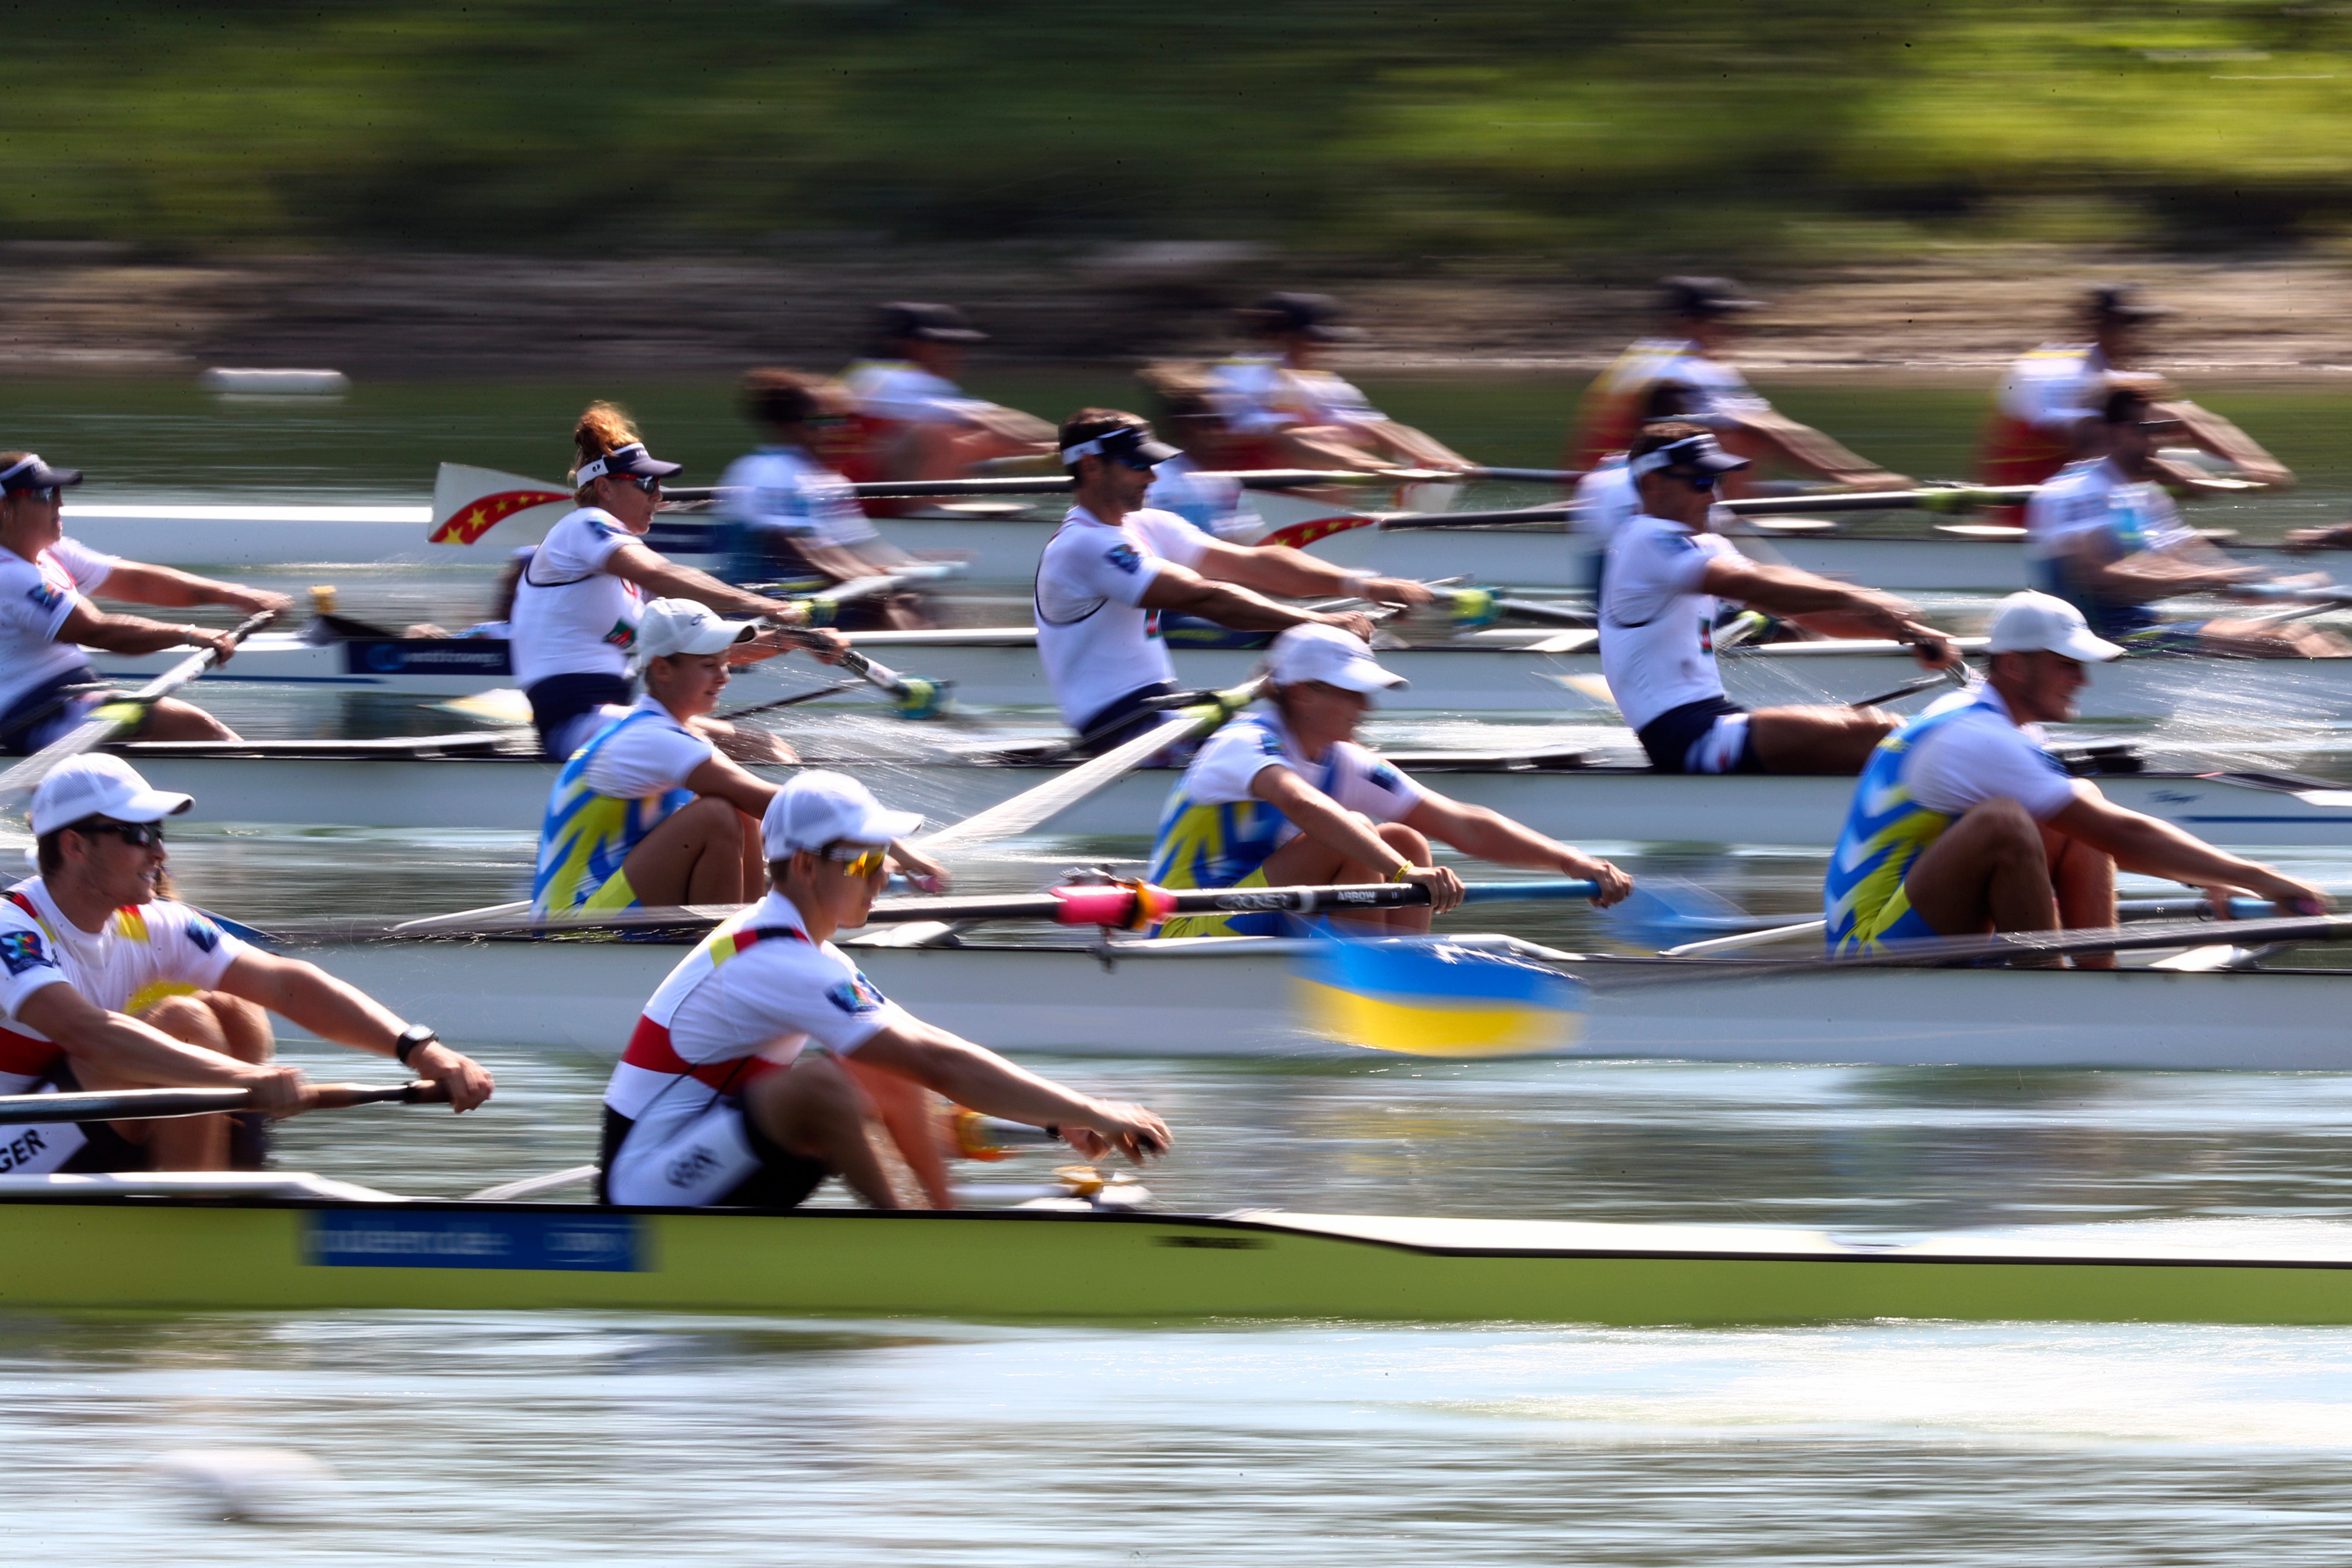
[{"x": 115, "y": 1249}]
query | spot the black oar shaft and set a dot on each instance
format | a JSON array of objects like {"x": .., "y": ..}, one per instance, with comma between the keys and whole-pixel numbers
[{"x": 153, "y": 1104}]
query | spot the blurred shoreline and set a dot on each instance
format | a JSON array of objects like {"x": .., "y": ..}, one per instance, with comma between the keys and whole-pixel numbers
[{"x": 75, "y": 310}]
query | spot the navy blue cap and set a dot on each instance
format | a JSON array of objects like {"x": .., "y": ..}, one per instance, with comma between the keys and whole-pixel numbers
[
  {"x": 633, "y": 460},
  {"x": 1316, "y": 316},
  {"x": 29, "y": 473},
  {"x": 929, "y": 323}
]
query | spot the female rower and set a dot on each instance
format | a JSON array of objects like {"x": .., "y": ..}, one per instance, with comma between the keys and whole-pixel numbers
[
  {"x": 577, "y": 605},
  {"x": 647, "y": 812},
  {"x": 789, "y": 515},
  {"x": 1284, "y": 797}
]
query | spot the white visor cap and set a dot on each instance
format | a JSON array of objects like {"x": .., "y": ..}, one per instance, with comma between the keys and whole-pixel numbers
[
  {"x": 1330, "y": 656},
  {"x": 2044, "y": 623},
  {"x": 99, "y": 785},
  {"x": 820, "y": 807},
  {"x": 681, "y": 625}
]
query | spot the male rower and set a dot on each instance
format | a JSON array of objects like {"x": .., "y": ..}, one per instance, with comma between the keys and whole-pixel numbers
[
  {"x": 1962, "y": 823},
  {"x": 1700, "y": 318},
  {"x": 789, "y": 515},
  {"x": 1284, "y": 796},
  {"x": 109, "y": 986},
  {"x": 650, "y": 812},
  {"x": 2106, "y": 537},
  {"x": 733, "y": 1089},
  {"x": 1113, "y": 567},
  {"x": 913, "y": 421},
  {"x": 2046, "y": 409},
  {"x": 47, "y": 623},
  {"x": 1291, "y": 413},
  {"x": 1666, "y": 572}
]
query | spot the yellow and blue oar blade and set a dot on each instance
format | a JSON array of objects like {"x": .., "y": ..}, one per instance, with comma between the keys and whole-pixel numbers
[{"x": 1426, "y": 997}]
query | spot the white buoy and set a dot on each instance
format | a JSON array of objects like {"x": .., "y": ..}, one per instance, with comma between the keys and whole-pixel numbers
[
  {"x": 276, "y": 382},
  {"x": 262, "y": 1486}
]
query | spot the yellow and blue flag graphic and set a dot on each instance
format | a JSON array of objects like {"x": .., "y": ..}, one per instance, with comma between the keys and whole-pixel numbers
[{"x": 1429, "y": 997}]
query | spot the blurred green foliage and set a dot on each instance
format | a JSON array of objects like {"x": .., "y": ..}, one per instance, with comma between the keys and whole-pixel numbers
[{"x": 1501, "y": 125}]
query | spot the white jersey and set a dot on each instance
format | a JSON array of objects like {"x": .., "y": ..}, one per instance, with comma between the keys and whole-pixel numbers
[
  {"x": 144, "y": 954},
  {"x": 2054, "y": 388},
  {"x": 1982, "y": 756},
  {"x": 36, "y": 597},
  {"x": 1656, "y": 624},
  {"x": 2095, "y": 497},
  {"x": 1217, "y": 506},
  {"x": 1606, "y": 500},
  {"x": 787, "y": 490},
  {"x": 904, "y": 394},
  {"x": 755, "y": 995},
  {"x": 570, "y": 616},
  {"x": 1255, "y": 394},
  {"x": 1095, "y": 639}
]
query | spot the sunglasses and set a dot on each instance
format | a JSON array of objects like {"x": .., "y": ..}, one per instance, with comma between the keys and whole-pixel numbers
[
  {"x": 45, "y": 494},
  {"x": 862, "y": 860},
  {"x": 647, "y": 483},
  {"x": 138, "y": 835},
  {"x": 1700, "y": 482}
]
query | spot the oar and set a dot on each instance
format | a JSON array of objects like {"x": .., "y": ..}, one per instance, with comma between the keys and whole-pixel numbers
[
  {"x": 1938, "y": 498},
  {"x": 1940, "y": 951},
  {"x": 118, "y": 717},
  {"x": 823, "y": 608},
  {"x": 2127, "y": 908},
  {"x": 151, "y": 1104},
  {"x": 1055, "y": 795},
  {"x": 914, "y": 697},
  {"x": 731, "y": 714}
]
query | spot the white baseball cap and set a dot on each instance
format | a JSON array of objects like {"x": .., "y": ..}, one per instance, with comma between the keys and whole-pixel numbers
[
  {"x": 1318, "y": 652},
  {"x": 99, "y": 785},
  {"x": 2043, "y": 622},
  {"x": 820, "y": 807},
  {"x": 681, "y": 625}
]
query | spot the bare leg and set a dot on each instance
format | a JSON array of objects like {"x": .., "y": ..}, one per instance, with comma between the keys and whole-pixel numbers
[
  {"x": 2084, "y": 881},
  {"x": 815, "y": 1110},
  {"x": 185, "y": 1142},
  {"x": 744, "y": 742},
  {"x": 1988, "y": 871},
  {"x": 172, "y": 719},
  {"x": 696, "y": 857},
  {"x": 1817, "y": 740},
  {"x": 906, "y": 1108},
  {"x": 1304, "y": 863}
]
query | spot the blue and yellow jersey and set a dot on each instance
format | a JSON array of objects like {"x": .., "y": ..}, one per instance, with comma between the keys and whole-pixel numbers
[
  {"x": 586, "y": 835},
  {"x": 1863, "y": 896}
]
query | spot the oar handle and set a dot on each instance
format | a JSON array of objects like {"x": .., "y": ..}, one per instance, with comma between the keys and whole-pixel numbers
[
  {"x": 917, "y": 698},
  {"x": 154, "y": 1104}
]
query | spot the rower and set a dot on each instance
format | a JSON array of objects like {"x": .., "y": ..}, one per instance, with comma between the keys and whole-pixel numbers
[
  {"x": 577, "y": 606},
  {"x": 1962, "y": 823},
  {"x": 1605, "y": 498},
  {"x": 648, "y": 812},
  {"x": 1195, "y": 484},
  {"x": 2104, "y": 536},
  {"x": 1294, "y": 413},
  {"x": 914, "y": 422},
  {"x": 2045, "y": 411},
  {"x": 1700, "y": 318},
  {"x": 46, "y": 684},
  {"x": 1110, "y": 568},
  {"x": 1666, "y": 572},
  {"x": 111, "y": 986},
  {"x": 789, "y": 515},
  {"x": 733, "y": 1089},
  {"x": 1284, "y": 796}
]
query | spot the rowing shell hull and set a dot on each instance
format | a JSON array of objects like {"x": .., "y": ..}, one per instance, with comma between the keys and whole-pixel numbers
[
  {"x": 1233, "y": 997},
  {"x": 131, "y": 1254},
  {"x": 997, "y": 550},
  {"x": 1576, "y": 805}
]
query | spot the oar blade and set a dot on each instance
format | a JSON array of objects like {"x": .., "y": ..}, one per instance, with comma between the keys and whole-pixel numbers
[{"x": 1428, "y": 997}]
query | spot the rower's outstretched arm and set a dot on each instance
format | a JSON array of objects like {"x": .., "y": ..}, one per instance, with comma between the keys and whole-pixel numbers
[
  {"x": 2156, "y": 848},
  {"x": 1837, "y": 608},
  {"x": 729, "y": 783},
  {"x": 978, "y": 1078},
  {"x": 1767, "y": 432},
  {"x": 332, "y": 1010},
  {"x": 1488, "y": 835},
  {"x": 176, "y": 590},
  {"x": 1186, "y": 592},
  {"x": 662, "y": 578},
  {"x": 124, "y": 1050},
  {"x": 1279, "y": 569},
  {"x": 90, "y": 628}
]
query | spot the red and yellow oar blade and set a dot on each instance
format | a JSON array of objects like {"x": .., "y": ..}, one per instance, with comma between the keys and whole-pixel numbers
[{"x": 1428, "y": 997}]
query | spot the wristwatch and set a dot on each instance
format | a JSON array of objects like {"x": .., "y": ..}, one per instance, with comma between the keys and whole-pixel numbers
[{"x": 413, "y": 1038}]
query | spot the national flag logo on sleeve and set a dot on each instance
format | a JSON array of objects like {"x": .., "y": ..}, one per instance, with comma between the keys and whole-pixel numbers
[{"x": 1427, "y": 996}]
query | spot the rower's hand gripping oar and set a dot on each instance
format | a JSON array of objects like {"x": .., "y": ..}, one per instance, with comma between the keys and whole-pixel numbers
[
  {"x": 914, "y": 697},
  {"x": 119, "y": 717},
  {"x": 153, "y": 1104}
]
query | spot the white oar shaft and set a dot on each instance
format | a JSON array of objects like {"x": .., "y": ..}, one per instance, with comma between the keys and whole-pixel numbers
[{"x": 1745, "y": 939}]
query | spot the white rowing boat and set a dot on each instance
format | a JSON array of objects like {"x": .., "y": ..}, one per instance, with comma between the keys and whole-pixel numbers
[
  {"x": 1232, "y": 996},
  {"x": 1950, "y": 558},
  {"x": 1493, "y": 671},
  {"x": 457, "y": 782}
]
